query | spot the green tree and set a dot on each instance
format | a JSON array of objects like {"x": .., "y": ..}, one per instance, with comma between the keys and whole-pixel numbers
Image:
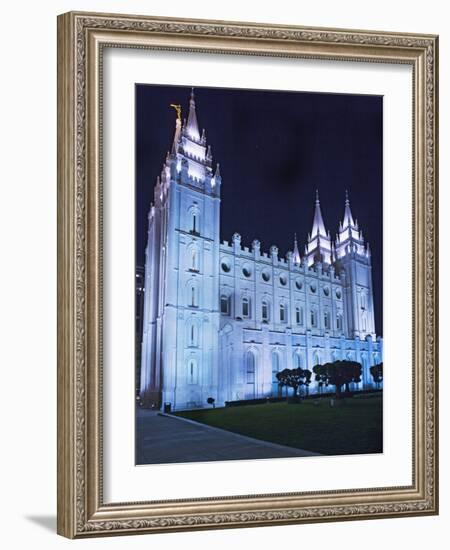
[
  {"x": 294, "y": 378},
  {"x": 377, "y": 373},
  {"x": 211, "y": 401},
  {"x": 338, "y": 374}
]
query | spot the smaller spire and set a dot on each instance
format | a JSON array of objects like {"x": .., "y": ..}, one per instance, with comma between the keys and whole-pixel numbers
[
  {"x": 318, "y": 225},
  {"x": 217, "y": 174},
  {"x": 348, "y": 218},
  {"x": 296, "y": 256}
]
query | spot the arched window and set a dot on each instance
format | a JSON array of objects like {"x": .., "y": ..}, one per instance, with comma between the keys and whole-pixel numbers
[
  {"x": 299, "y": 315},
  {"x": 275, "y": 371},
  {"x": 192, "y": 371},
  {"x": 250, "y": 375},
  {"x": 339, "y": 321},
  {"x": 245, "y": 307},
  {"x": 265, "y": 310},
  {"x": 250, "y": 368},
  {"x": 363, "y": 301},
  {"x": 194, "y": 258},
  {"x": 283, "y": 312},
  {"x": 363, "y": 323},
  {"x": 298, "y": 363},
  {"x": 192, "y": 294},
  {"x": 275, "y": 366},
  {"x": 316, "y": 358},
  {"x": 192, "y": 333},
  {"x": 326, "y": 319},
  {"x": 225, "y": 304},
  {"x": 195, "y": 226},
  {"x": 313, "y": 318}
]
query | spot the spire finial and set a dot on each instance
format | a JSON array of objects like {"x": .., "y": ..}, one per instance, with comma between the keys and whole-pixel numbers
[
  {"x": 317, "y": 195},
  {"x": 348, "y": 218},
  {"x": 192, "y": 94},
  {"x": 192, "y": 124},
  {"x": 296, "y": 256}
]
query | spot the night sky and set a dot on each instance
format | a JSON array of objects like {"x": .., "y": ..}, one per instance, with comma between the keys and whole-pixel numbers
[{"x": 275, "y": 149}]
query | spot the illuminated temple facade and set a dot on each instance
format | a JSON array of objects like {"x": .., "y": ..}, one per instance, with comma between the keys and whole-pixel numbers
[{"x": 220, "y": 319}]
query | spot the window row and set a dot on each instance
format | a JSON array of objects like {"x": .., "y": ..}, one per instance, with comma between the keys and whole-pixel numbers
[
  {"x": 283, "y": 315},
  {"x": 266, "y": 277}
]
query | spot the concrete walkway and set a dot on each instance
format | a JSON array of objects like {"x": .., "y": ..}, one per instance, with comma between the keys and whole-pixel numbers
[{"x": 162, "y": 439}]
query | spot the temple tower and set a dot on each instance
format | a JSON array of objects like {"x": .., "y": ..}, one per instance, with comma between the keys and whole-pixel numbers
[{"x": 181, "y": 274}]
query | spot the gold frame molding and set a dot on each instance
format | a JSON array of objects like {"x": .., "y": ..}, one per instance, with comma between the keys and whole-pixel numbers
[{"x": 81, "y": 38}]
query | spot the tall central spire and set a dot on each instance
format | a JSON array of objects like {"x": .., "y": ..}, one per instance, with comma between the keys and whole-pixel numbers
[
  {"x": 318, "y": 225},
  {"x": 192, "y": 124},
  {"x": 190, "y": 159},
  {"x": 319, "y": 247},
  {"x": 348, "y": 218}
]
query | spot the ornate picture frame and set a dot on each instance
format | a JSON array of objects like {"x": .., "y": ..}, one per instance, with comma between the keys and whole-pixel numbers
[{"x": 82, "y": 39}]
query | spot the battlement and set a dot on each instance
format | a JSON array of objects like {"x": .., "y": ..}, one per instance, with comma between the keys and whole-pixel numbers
[
  {"x": 271, "y": 258},
  {"x": 192, "y": 156}
]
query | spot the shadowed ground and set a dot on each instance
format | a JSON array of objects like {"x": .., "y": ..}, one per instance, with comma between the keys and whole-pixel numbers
[
  {"x": 167, "y": 439},
  {"x": 353, "y": 427}
]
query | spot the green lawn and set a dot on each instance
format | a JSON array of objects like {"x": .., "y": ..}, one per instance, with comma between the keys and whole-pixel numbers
[{"x": 354, "y": 427}]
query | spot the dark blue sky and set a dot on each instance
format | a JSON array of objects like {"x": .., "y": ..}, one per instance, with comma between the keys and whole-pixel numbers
[{"x": 275, "y": 149}]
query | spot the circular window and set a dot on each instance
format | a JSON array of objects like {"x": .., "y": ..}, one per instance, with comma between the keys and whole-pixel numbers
[
  {"x": 299, "y": 284},
  {"x": 246, "y": 270},
  {"x": 326, "y": 291},
  {"x": 283, "y": 280},
  {"x": 265, "y": 275},
  {"x": 312, "y": 287},
  {"x": 338, "y": 294},
  {"x": 226, "y": 266}
]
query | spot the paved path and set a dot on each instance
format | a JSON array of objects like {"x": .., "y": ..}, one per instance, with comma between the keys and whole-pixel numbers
[{"x": 165, "y": 439}]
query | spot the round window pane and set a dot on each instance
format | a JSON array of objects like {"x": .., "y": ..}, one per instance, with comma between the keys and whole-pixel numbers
[
  {"x": 326, "y": 291},
  {"x": 246, "y": 271},
  {"x": 283, "y": 280},
  {"x": 226, "y": 266},
  {"x": 299, "y": 284},
  {"x": 313, "y": 287},
  {"x": 338, "y": 294},
  {"x": 265, "y": 275}
]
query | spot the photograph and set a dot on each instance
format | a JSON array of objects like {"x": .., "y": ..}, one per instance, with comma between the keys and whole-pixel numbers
[
  {"x": 247, "y": 230},
  {"x": 258, "y": 274}
]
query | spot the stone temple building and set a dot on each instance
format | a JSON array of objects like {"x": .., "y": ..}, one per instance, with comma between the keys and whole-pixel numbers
[{"x": 220, "y": 319}]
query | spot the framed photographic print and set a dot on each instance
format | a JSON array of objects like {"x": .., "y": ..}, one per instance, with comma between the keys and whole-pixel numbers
[{"x": 247, "y": 284}]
